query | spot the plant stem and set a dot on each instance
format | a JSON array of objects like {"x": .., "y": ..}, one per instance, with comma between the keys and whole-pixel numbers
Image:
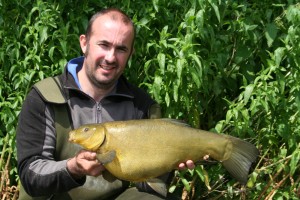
[{"x": 1, "y": 161}]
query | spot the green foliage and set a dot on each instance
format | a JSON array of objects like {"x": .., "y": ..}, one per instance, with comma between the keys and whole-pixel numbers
[{"x": 227, "y": 66}]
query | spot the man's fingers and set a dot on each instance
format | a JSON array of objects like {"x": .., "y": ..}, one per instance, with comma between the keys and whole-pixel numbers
[
  {"x": 87, "y": 155},
  {"x": 189, "y": 164},
  {"x": 181, "y": 166}
]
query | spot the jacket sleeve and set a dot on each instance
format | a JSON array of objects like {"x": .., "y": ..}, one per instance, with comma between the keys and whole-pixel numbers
[{"x": 39, "y": 173}]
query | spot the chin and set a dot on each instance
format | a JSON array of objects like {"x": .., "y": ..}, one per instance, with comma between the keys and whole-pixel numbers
[{"x": 105, "y": 82}]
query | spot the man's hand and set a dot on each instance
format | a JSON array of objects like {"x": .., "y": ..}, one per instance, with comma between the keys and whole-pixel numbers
[
  {"x": 84, "y": 163},
  {"x": 189, "y": 164}
]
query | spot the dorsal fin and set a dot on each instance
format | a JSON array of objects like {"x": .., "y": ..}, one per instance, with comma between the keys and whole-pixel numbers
[{"x": 176, "y": 121}]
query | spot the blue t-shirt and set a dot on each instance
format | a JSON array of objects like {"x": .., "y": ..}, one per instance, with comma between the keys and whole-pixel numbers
[{"x": 74, "y": 66}]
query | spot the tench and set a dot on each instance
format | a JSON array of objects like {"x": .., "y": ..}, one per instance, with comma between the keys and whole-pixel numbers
[{"x": 138, "y": 150}]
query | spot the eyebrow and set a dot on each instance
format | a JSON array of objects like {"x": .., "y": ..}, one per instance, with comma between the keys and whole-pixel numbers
[{"x": 124, "y": 47}]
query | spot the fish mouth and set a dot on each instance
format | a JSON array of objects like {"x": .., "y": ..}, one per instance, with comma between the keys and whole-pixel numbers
[{"x": 71, "y": 137}]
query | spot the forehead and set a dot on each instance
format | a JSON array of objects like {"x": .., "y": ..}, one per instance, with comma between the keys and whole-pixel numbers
[{"x": 112, "y": 26}]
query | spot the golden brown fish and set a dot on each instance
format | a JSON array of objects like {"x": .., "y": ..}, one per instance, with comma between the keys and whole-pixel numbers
[{"x": 138, "y": 150}]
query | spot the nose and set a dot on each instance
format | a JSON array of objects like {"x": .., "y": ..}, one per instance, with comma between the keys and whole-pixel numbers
[{"x": 110, "y": 56}]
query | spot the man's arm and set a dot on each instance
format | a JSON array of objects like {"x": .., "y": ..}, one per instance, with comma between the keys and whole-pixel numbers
[{"x": 39, "y": 173}]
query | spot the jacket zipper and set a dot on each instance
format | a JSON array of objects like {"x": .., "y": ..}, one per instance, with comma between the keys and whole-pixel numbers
[{"x": 99, "y": 110}]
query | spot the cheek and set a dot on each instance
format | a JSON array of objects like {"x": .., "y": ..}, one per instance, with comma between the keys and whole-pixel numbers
[
  {"x": 95, "y": 54},
  {"x": 122, "y": 60}
]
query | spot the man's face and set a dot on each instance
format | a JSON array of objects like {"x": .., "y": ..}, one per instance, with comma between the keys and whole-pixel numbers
[{"x": 107, "y": 51}]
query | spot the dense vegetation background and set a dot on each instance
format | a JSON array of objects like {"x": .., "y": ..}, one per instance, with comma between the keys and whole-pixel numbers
[{"x": 228, "y": 66}]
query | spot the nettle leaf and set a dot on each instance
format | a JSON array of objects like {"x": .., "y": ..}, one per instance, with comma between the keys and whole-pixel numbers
[
  {"x": 293, "y": 13},
  {"x": 281, "y": 81},
  {"x": 179, "y": 67},
  {"x": 196, "y": 59},
  {"x": 63, "y": 45},
  {"x": 294, "y": 161},
  {"x": 164, "y": 33},
  {"x": 172, "y": 188},
  {"x": 41, "y": 75},
  {"x": 203, "y": 175},
  {"x": 229, "y": 116},
  {"x": 195, "y": 77},
  {"x": 196, "y": 71},
  {"x": 155, "y": 5},
  {"x": 185, "y": 182},
  {"x": 175, "y": 92},
  {"x": 216, "y": 9},
  {"x": 271, "y": 33},
  {"x": 157, "y": 87},
  {"x": 219, "y": 126},
  {"x": 278, "y": 55},
  {"x": 252, "y": 180},
  {"x": 200, "y": 18},
  {"x": 167, "y": 99},
  {"x": 248, "y": 93},
  {"x": 43, "y": 34},
  {"x": 12, "y": 71},
  {"x": 161, "y": 62},
  {"x": 250, "y": 27},
  {"x": 51, "y": 52}
]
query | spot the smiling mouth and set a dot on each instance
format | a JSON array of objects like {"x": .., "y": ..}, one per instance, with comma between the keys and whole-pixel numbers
[{"x": 107, "y": 67}]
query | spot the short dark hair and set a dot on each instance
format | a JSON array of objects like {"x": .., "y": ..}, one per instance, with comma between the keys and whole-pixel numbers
[{"x": 124, "y": 17}]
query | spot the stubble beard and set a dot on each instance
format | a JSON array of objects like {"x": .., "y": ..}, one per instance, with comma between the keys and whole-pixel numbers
[{"x": 97, "y": 82}]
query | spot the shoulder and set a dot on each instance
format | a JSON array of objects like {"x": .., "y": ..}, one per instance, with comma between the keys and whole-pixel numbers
[
  {"x": 50, "y": 90},
  {"x": 139, "y": 95},
  {"x": 142, "y": 101},
  {"x": 33, "y": 111},
  {"x": 41, "y": 95}
]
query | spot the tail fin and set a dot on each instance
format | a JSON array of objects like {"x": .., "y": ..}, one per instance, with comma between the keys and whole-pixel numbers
[{"x": 242, "y": 156}]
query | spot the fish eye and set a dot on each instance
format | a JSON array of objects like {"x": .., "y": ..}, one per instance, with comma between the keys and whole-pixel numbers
[{"x": 85, "y": 129}]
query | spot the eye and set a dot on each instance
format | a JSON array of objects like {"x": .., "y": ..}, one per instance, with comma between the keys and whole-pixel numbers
[
  {"x": 122, "y": 49},
  {"x": 86, "y": 129},
  {"x": 103, "y": 44}
]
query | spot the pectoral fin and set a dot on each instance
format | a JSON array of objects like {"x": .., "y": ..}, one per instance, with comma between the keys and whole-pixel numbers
[
  {"x": 158, "y": 186},
  {"x": 106, "y": 157}
]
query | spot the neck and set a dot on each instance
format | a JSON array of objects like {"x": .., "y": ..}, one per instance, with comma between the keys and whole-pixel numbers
[{"x": 96, "y": 92}]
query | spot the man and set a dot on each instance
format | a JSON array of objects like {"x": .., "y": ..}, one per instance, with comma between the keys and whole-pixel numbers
[{"x": 95, "y": 91}]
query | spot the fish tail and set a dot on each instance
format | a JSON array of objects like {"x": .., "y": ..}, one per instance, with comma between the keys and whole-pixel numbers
[{"x": 240, "y": 161}]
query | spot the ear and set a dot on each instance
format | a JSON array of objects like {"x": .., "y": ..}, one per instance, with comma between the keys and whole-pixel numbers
[{"x": 83, "y": 43}]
